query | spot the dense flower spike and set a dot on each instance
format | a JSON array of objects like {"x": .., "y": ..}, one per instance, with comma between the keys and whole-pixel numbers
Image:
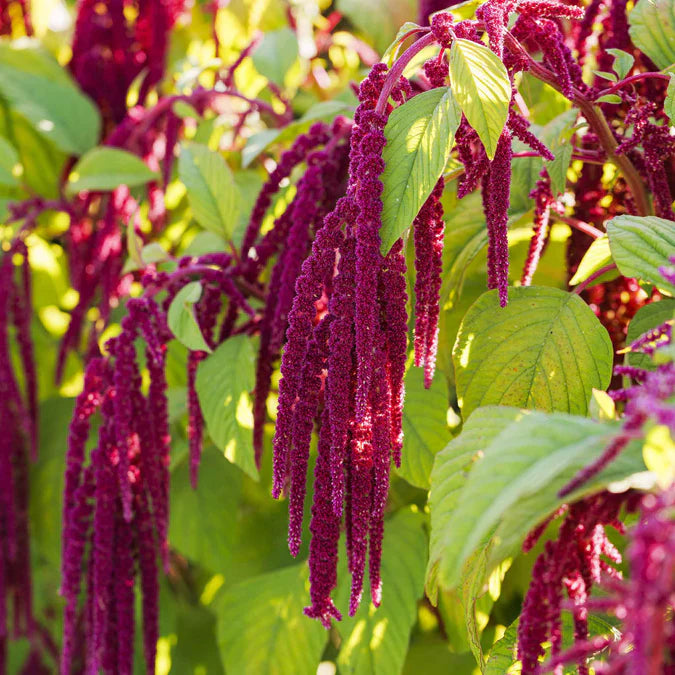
[
  {"x": 428, "y": 230},
  {"x": 495, "y": 191},
  {"x": 543, "y": 201}
]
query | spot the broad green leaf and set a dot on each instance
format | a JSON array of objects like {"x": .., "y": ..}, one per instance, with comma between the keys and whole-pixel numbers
[
  {"x": 154, "y": 253},
  {"x": 449, "y": 474},
  {"x": 545, "y": 349},
  {"x": 10, "y": 166},
  {"x": 514, "y": 482},
  {"x": 482, "y": 88},
  {"x": 425, "y": 427},
  {"x": 640, "y": 245},
  {"x": 669, "y": 104},
  {"x": 275, "y": 55},
  {"x": 647, "y": 317},
  {"x": 210, "y": 505},
  {"x": 376, "y": 640},
  {"x": 609, "y": 98},
  {"x": 224, "y": 382},
  {"x": 103, "y": 168},
  {"x": 652, "y": 26},
  {"x": 623, "y": 62},
  {"x": 211, "y": 189},
  {"x": 261, "y": 627},
  {"x": 596, "y": 257},
  {"x": 42, "y": 92},
  {"x": 420, "y": 134},
  {"x": 182, "y": 320},
  {"x": 605, "y": 75}
]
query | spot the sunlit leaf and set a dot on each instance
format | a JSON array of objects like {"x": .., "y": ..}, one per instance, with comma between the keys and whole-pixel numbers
[
  {"x": 482, "y": 88},
  {"x": 545, "y": 349},
  {"x": 640, "y": 245},
  {"x": 9, "y": 163},
  {"x": 650, "y": 316},
  {"x": 420, "y": 134},
  {"x": 652, "y": 26},
  {"x": 623, "y": 62},
  {"x": 596, "y": 257},
  {"x": 224, "y": 382},
  {"x": 261, "y": 627},
  {"x": 212, "y": 192}
]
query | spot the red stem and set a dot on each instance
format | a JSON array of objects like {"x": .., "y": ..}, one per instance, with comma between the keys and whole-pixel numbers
[
  {"x": 630, "y": 80},
  {"x": 603, "y": 270},
  {"x": 399, "y": 66},
  {"x": 580, "y": 225}
]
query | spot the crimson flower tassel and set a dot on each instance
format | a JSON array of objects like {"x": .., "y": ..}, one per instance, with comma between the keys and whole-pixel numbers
[
  {"x": 428, "y": 228},
  {"x": 495, "y": 191}
]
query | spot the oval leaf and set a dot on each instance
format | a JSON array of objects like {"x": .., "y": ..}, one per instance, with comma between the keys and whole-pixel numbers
[
  {"x": 652, "y": 26},
  {"x": 546, "y": 350},
  {"x": 261, "y": 627},
  {"x": 482, "y": 88},
  {"x": 102, "y": 169},
  {"x": 182, "y": 320},
  {"x": 425, "y": 428},
  {"x": 420, "y": 134},
  {"x": 640, "y": 245},
  {"x": 213, "y": 195},
  {"x": 650, "y": 316},
  {"x": 52, "y": 103},
  {"x": 224, "y": 381},
  {"x": 275, "y": 54}
]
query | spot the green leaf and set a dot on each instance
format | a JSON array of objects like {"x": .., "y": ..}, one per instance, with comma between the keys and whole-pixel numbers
[
  {"x": 669, "y": 104},
  {"x": 275, "y": 55},
  {"x": 609, "y": 98},
  {"x": 224, "y": 382},
  {"x": 154, "y": 253},
  {"x": 182, "y": 320},
  {"x": 425, "y": 427},
  {"x": 545, "y": 349},
  {"x": 40, "y": 90},
  {"x": 420, "y": 134},
  {"x": 556, "y": 135},
  {"x": 652, "y": 26},
  {"x": 103, "y": 168},
  {"x": 449, "y": 474},
  {"x": 211, "y": 543},
  {"x": 640, "y": 245},
  {"x": 482, "y": 88},
  {"x": 605, "y": 75},
  {"x": 623, "y": 62},
  {"x": 647, "y": 317},
  {"x": 376, "y": 640},
  {"x": 596, "y": 257},
  {"x": 10, "y": 166},
  {"x": 514, "y": 482},
  {"x": 211, "y": 189},
  {"x": 261, "y": 627}
]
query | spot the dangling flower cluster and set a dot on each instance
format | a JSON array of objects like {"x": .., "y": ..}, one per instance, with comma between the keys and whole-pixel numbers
[
  {"x": 18, "y": 420},
  {"x": 115, "y": 510},
  {"x": 350, "y": 361},
  {"x": 317, "y": 192},
  {"x": 571, "y": 564},
  {"x": 543, "y": 202},
  {"x": 110, "y": 51},
  {"x": 644, "y": 603}
]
